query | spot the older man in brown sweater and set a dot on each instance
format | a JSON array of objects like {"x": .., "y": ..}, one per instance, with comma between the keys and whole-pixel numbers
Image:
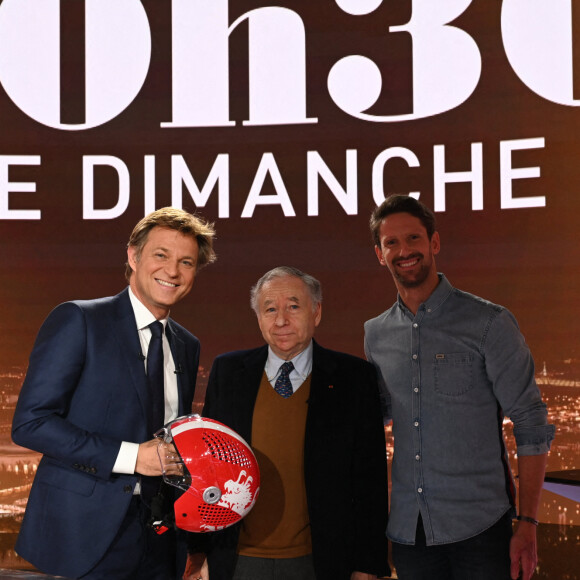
[{"x": 313, "y": 419}]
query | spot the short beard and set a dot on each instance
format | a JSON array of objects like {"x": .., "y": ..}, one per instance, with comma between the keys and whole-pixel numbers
[
  {"x": 423, "y": 275},
  {"x": 418, "y": 280}
]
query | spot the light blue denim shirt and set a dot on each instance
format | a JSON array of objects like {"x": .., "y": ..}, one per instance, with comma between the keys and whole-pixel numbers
[{"x": 448, "y": 375}]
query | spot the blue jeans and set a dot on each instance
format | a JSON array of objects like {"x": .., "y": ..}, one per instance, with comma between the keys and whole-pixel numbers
[{"x": 483, "y": 557}]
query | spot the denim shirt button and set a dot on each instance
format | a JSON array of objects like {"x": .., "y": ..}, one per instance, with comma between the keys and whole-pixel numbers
[
  {"x": 416, "y": 423},
  {"x": 417, "y": 457},
  {"x": 416, "y": 389},
  {"x": 414, "y": 357},
  {"x": 415, "y": 325},
  {"x": 420, "y": 490}
]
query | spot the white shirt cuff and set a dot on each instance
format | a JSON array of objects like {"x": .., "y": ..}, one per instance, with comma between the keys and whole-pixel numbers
[{"x": 127, "y": 458}]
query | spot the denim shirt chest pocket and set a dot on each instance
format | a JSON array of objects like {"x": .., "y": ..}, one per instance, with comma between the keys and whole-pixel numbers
[{"x": 453, "y": 373}]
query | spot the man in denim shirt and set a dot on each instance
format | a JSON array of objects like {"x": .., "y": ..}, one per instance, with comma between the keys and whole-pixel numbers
[{"x": 450, "y": 365}]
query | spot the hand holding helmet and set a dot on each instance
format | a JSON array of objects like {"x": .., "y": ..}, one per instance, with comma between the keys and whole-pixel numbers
[
  {"x": 149, "y": 457},
  {"x": 171, "y": 462},
  {"x": 214, "y": 468}
]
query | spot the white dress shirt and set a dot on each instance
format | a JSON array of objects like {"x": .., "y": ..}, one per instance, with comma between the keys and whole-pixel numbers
[{"x": 127, "y": 458}]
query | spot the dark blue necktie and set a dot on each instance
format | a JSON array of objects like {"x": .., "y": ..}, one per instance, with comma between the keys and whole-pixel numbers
[
  {"x": 155, "y": 378},
  {"x": 283, "y": 384},
  {"x": 156, "y": 408}
]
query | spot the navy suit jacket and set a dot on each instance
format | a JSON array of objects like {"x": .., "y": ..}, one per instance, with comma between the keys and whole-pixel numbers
[
  {"x": 84, "y": 393},
  {"x": 345, "y": 465}
]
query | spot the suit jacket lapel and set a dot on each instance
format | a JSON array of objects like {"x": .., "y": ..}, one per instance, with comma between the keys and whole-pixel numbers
[
  {"x": 124, "y": 329},
  {"x": 323, "y": 373},
  {"x": 184, "y": 380},
  {"x": 248, "y": 378},
  {"x": 323, "y": 370}
]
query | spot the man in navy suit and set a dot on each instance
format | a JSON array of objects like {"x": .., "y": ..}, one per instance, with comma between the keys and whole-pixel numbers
[
  {"x": 313, "y": 419},
  {"x": 85, "y": 405}
]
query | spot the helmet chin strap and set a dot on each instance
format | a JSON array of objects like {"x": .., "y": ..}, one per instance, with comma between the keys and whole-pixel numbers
[{"x": 162, "y": 515}]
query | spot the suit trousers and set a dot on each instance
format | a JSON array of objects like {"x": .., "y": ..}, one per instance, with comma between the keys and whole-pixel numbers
[
  {"x": 138, "y": 553},
  {"x": 251, "y": 568}
]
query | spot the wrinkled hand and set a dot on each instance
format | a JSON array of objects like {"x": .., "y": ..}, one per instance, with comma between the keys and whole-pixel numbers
[
  {"x": 362, "y": 576},
  {"x": 196, "y": 567},
  {"x": 523, "y": 551},
  {"x": 155, "y": 457}
]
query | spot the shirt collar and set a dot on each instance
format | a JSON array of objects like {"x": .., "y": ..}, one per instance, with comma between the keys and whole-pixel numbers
[
  {"x": 302, "y": 363},
  {"x": 437, "y": 297},
  {"x": 143, "y": 315}
]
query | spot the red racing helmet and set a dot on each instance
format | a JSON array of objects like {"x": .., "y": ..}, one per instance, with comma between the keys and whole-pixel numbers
[{"x": 214, "y": 467}]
